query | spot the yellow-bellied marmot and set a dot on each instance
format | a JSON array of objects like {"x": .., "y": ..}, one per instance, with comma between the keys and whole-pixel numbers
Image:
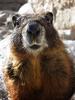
[{"x": 38, "y": 67}]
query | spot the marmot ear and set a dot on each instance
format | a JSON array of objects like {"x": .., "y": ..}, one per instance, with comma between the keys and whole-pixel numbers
[
  {"x": 16, "y": 19},
  {"x": 49, "y": 17}
]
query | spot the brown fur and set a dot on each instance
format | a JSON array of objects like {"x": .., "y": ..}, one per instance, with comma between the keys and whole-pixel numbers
[{"x": 47, "y": 76}]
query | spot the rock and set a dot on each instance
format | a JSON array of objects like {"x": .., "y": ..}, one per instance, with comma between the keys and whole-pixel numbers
[
  {"x": 5, "y": 25},
  {"x": 11, "y": 4},
  {"x": 70, "y": 46},
  {"x": 66, "y": 17},
  {"x": 26, "y": 8},
  {"x": 67, "y": 34},
  {"x": 4, "y": 15},
  {"x": 30, "y": 8},
  {"x": 20, "y": 1},
  {"x": 3, "y": 53}
]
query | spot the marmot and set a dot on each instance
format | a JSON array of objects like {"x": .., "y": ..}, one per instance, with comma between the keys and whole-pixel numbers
[{"x": 38, "y": 66}]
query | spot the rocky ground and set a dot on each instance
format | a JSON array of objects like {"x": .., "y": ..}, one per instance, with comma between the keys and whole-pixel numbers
[{"x": 3, "y": 55}]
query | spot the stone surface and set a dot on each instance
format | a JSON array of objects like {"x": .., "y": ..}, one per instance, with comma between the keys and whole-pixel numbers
[
  {"x": 11, "y": 4},
  {"x": 5, "y": 25},
  {"x": 11, "y": 1},
  {"x": 68, "y": 34}
]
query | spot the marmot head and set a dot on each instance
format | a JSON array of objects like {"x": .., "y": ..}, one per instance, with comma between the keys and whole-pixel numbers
[{"x": 35, "y": 32}]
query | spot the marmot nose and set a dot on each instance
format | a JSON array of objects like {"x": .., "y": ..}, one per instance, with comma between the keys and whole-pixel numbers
[{"x": 33, "y": 28}]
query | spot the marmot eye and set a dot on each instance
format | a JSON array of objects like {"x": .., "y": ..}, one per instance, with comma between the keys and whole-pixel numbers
[
  {"x": 47, "y": 19},
  {"x": 17, "y": 23}
]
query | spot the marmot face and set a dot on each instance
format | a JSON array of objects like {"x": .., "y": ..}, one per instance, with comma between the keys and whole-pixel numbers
[{"x": 32, "y": 29}]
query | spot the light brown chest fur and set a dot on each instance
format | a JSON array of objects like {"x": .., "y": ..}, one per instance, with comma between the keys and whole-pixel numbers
[{"x": 45, "y": 77}]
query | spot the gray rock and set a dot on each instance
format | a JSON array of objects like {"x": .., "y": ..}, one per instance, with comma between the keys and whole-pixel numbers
[
  {"x": 5, "y": 25},
  {"x": 11, "y": 4}
]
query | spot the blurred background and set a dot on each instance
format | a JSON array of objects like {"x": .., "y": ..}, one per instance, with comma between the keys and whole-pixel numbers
[{"x": 63, "y": 10}]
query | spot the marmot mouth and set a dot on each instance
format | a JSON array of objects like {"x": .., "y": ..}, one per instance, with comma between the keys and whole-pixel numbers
[{"x": 35, "y": 46}]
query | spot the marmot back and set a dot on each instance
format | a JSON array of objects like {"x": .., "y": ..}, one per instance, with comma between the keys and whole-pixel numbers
[{"x": 38, "y": 66}]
